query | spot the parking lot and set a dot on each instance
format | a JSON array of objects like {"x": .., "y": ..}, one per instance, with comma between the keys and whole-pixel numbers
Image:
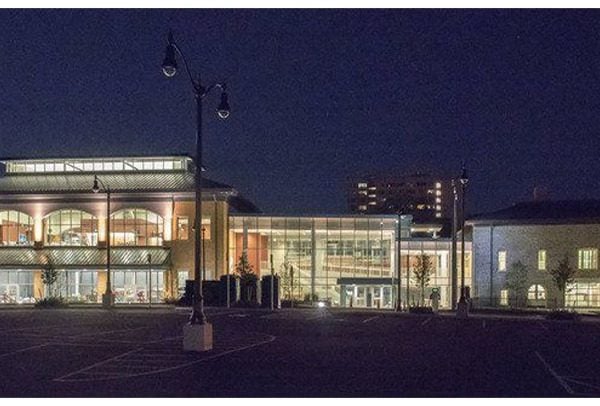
[{"x": 310, "y": 352}]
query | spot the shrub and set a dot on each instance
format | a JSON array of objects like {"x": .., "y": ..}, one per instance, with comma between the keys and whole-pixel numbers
[
  {"x": 51, "y": 302},
  {"x": 420, "y": 310},
  {"x": 563, "y": 315}
]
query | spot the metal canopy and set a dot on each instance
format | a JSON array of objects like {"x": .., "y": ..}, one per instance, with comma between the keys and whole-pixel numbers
[{"x": 83, "y": 257}]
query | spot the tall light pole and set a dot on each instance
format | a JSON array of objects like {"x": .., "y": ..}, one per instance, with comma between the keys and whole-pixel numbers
[
  {"x": 107, "y": 296},
  {"x": 198, "y": 333},
  {"x": 462, "y": 309},
  {"x": 454, "y": 231},
  {"x": 399, "y": 262}
]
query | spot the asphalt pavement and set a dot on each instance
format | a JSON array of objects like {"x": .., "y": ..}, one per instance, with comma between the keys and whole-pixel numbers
[{"x": 295, "y": 353}]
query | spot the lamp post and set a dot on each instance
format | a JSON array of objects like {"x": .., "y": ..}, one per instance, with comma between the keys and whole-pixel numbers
[
  {"x": 107, "y": 297},
  {"x": 462, "y": 308},
  {"x": 198, "y": 333},
  {"x": 399, "y": 263},
  {"x": 454, "y": 256}
]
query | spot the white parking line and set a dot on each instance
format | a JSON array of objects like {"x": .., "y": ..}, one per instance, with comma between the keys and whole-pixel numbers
[
  {"x": 427, "y": 321},
  {"x": 65, "y": 378},
  {"x": 370, "y": 318},
  {"x": 556, "y": 376},
  {"x": 34, "y": 347}
]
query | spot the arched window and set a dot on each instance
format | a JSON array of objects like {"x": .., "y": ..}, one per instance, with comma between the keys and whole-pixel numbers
[
  {"x": 71, "y": 227},
  {"x": 136, "y": 227},
  {"x": 16, "y": 228},
  {"x": 536, "y": 292}
]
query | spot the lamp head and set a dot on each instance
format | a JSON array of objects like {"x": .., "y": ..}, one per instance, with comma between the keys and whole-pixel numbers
[
  {"x": 169, "y": 65},
  {"x": 463, "y": 176},
  {"x": 95, "y": 188},
  {"x": 223, "y": 109}
]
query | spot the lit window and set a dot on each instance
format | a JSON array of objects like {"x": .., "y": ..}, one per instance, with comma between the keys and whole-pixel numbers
[
  {"x": 421, "y": 207},
  {"x": 183, "y": 228},
  {"x": 362, "y": 185},
  {"x": 587, "y": 258},
  {"x": 501, "y": 261},
  {"x": 438, "y": 215},
  {"x": 88, "y": 166},
  {"x": 97, "y": 166},
  {"x": 438, "y": 200},
  {"x": 362, "y": 207},
  {"x": 168, "y": 165},
  {"x": 206, "y": 229},
  {"x": 118, "y": 166},
  {"x": 39, "y": 167},
  {"x": 148, "y": 165},
  {"x": 438, "y": 207},
  {"x": 438, "y": 192},
  {"x": 372, "y": 203},
  {"x": 536, "y": 292},
  {"x": 362, "y": 192},
  {"x": 371, "y": 195},
  {"x": 541, "y": 260},
  {"x": 438, "y": 185},
  {"x": 504, "y": 297},
  {"x": 177, "y": 165}
]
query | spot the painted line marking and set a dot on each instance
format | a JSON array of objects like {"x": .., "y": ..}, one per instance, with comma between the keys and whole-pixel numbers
[
  {"x": 589, "y": 385},
  {"x": 34, "y": 347},
  {"x": 63, "y": 378},
  {"x": 427, "y": 321},
  {"x": 370, "y": 318},
  {"x": 556, "y": 376}
]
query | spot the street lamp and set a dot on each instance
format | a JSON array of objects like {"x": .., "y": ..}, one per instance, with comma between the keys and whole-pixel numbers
[
  {"x": 197, "y": 334},
  {"x": 462, "y": 309},
  {"x": 399, "y": 262},
  {"x": 107, "y": 297},
  {"x": 454, "y": 231}
]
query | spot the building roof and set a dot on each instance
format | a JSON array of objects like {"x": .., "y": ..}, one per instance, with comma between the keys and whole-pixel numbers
[
  {"x": 543, "y": 212},
  {"x": 83, "y": 257},
  {"x": 173, "y": 181}
]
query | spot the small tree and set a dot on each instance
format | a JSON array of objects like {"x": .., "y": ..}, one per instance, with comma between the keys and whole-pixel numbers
[
  {"x": 563, "y": 275},
  {"x": 248, "y": 279},
  {"x": 422, "y": 273},
  {"x": 285, "y": 269},
  {"x": 517, "y": 281},
  {"x": 49, "y": 277}
]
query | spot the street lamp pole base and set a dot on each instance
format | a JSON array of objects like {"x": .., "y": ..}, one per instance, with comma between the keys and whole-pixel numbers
[
  {"x": 107, "y": 300},
  {"x": 198, "y": 337},
  {"x": 462, "y": 310}
]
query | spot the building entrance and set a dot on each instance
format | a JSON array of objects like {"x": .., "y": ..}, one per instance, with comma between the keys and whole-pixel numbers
[{"x": 368, "y": 296}]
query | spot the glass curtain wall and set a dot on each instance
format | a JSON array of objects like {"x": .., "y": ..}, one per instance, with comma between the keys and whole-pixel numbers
[
  {"x": 316, "y": 257},
  {"x": 136, "y": 227},
  {"x": 16, "y": 286},
  {"x": 16, "y": 228},
  {"x": 71, "y": 228}
]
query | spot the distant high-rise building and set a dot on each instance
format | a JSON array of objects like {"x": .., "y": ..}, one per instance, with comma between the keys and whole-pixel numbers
[{"x": 428, "y": 198}]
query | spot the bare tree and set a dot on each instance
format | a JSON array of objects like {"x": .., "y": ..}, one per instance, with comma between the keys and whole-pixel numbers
[
  {"x": 562, "y": 276},
  {"x": 517, "y": 282},
  {"x": 422, "y": 273}
]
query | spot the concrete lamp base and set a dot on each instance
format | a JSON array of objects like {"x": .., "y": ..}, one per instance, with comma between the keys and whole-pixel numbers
[
  {"x": 197, "y": 337},
  {"x": 107, "y": 300},
  {"x": 462, "y": 310}
]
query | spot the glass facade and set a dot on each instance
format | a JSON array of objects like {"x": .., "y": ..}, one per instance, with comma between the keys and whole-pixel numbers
[
  {"x": 346, "y": 261},
  {"x": 583, "y": 294},
  {"x": 16, "y": 286},
  {"x": 71, "y": 228},
  {"x": 16, "y": 228},
  {"x": 98, "y": 165},
  {"x": 137, "y": 227}
]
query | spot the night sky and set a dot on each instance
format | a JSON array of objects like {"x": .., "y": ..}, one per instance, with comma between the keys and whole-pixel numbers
[{"x": 317, "y": 96}]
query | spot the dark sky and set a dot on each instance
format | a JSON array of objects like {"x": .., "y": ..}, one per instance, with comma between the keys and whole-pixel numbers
[{"x": 317, "y": 96}]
